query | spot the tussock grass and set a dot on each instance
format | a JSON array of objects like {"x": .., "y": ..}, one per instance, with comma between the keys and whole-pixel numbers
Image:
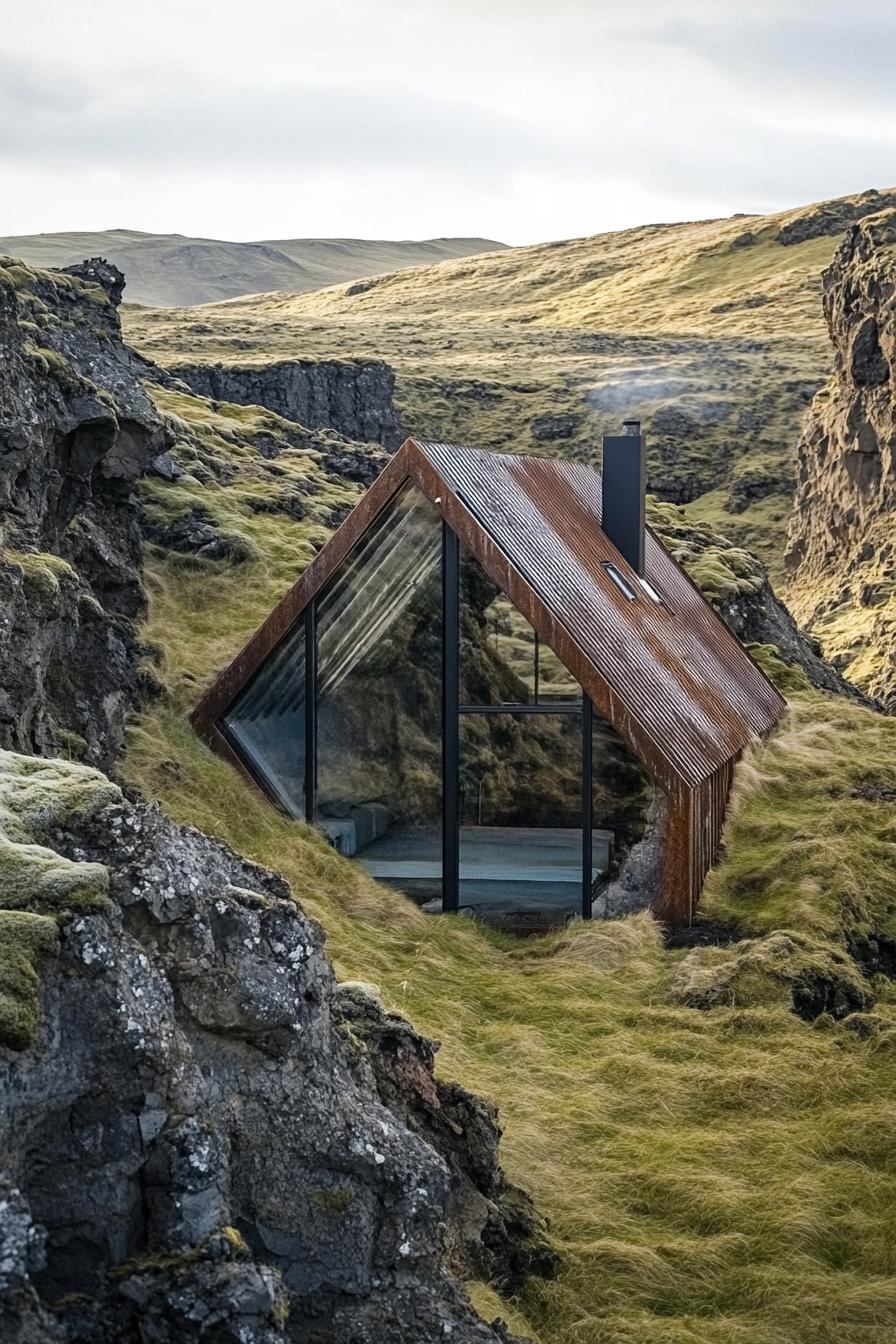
[
  {"x": 713, "y": 1175},
  {"x": 811, "y": 839}
]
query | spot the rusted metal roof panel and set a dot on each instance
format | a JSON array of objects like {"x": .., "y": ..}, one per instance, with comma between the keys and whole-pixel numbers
[{"x": 686, "y": 681}]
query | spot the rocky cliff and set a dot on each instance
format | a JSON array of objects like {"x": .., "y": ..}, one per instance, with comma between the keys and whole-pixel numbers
[
  {"x": 214, "y": 1139},
  {"x": 76, "y": 430},
  {"x": 842, "y": 548},
  {"x": 354, "y": 397}
]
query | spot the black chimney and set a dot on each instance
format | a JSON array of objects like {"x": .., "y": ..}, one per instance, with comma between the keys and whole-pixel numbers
[{"x": 624, "y": 482}]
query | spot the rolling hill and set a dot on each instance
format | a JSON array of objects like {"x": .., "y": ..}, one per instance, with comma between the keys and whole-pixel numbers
[
  {"x": 171, "y": 269},
  {"x": 711, "y": 331}
]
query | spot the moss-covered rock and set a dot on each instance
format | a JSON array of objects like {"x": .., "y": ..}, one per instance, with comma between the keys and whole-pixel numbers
[
  {"x": 737, "y": 585},
  {"x": 76, "y": 428},
  {"x": 25, "y": 939},
  {"x": 36, "y": 883},
  {"x": 809, "y": 975},
  {"x": 197, "y": 1139}
]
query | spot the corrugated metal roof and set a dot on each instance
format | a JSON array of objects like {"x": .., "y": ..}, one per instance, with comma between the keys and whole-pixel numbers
[{"x": 687, "y": 682}]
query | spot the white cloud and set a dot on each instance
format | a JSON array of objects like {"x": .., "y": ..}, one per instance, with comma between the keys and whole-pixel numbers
[{"x": 517, "y": 119}]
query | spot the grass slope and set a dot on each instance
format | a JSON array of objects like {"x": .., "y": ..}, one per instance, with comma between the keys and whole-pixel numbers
[
  {"x": 170, "y": 269},
  {"x": 714, "y": 1174},
  {"x": 711, "y": 332}
]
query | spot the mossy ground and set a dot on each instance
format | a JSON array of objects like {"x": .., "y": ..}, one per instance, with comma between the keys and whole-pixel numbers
[
  {"x": 246, "y": 495},
  {"x": 721, "y": 570},
  {"x": 716, "y": 1175}
]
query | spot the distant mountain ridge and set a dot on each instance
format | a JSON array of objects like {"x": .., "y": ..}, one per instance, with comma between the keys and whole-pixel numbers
[{"x": 174, "y": 270}]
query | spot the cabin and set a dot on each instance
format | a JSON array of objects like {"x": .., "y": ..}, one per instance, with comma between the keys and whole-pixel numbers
[{"x": 496, "y": 690}]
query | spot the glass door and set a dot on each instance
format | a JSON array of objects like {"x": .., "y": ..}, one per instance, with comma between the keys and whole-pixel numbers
[{"x": 522, "y": 809}]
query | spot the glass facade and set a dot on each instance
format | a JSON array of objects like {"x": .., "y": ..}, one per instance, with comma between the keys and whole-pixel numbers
[
  {"x": 379, "y": 699},
  {"x": 266, "y": 722},
  {"x": 440, "y": 722},
  {"x": 520, "y": 799},
  {"x": 502, "y": 660}
]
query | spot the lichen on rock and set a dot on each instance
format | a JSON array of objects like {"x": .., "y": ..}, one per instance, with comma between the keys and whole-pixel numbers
[{"x": 189, "y": 1075}]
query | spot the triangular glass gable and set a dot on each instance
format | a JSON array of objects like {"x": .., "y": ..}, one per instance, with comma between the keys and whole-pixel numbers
[{"x": 266, "y": 723}]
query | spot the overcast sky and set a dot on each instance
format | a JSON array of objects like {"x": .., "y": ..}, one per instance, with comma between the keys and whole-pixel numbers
[{"x": 520, "y": 120}]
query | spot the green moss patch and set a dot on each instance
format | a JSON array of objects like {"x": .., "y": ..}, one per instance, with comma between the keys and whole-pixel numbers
[
  {"x": 722, "y": 571},
  {"x": 25, "y": 939},
  {"x": 36, "y": 883},
  {"x": 45, "y": 578}
]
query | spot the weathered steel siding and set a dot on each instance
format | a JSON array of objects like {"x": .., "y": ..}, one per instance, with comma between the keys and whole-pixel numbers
[{"x": 694, "y": 824}]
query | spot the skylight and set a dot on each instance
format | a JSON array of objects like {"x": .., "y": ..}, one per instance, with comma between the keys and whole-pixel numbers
[{"x": 621, "y": 582}]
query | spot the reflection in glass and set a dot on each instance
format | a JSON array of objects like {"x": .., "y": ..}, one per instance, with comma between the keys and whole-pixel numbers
[
  {"x": 266, "y": 722},
  {"x": 521, "y": 815},
  {"x": 622, "y": 792},
  {"x": 502, "y": 660},
  {"x": 379, "y": 632},
  {"x": 629, "y": 809},
  {"x": 523, "y": 831}
]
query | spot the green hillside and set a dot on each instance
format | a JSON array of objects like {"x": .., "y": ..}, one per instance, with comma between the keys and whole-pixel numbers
[
  {"x": 709, "y": 1131},
  {"x": 710, "y": 331},
  {"x": 170, "y": 269}
]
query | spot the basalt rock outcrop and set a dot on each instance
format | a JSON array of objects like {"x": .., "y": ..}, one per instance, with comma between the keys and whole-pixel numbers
[
  {"x": 842, "y": 540},
  {"x": 354, "y": 397},
  {"x": 205, "y": 1138},
  {"x": 76, "y": 430}
]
